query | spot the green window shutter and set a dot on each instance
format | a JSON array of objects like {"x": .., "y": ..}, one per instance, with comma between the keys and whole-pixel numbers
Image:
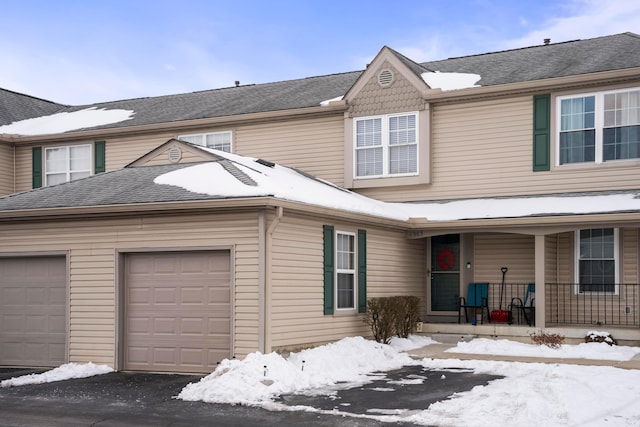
[
  {"x": 541, "y": 132},
  {"x": 98, "y": 157},
  {"x": 362, "y": 271},
  {"x": 329, "y": 268},
  {"x": 36, "y": 167}
]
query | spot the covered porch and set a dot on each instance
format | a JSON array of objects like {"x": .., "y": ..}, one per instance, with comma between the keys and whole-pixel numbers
[{"x": 584, "y": 271}]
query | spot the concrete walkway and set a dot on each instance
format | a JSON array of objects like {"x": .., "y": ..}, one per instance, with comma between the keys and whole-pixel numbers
[{"x": 438, "y": 351}]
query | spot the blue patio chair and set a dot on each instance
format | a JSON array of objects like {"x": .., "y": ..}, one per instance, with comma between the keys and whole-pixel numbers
[
  {"x": 526, "y": 306},
  {"x": 477, "y": 298}
]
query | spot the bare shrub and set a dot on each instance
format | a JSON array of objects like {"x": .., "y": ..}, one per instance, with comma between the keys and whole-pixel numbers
[
  {"x": 549, "y": 339},
  {"x": 389, "y": 316}
]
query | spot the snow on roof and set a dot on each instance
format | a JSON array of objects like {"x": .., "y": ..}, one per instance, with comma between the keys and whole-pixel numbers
[
  {"x": 326, "y": 103},
  {"x": 282, "y": 182},
  {"x": 64, "y": 122},
  {"x": 514, "y": 207},
  {"x": 276, "y": 181},
  {"x": 450, "y": 81}
]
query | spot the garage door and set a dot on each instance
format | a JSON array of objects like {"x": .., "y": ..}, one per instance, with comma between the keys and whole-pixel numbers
[
  {"x": 33, "y": 307},
  {"x": 177, "y": 311}
]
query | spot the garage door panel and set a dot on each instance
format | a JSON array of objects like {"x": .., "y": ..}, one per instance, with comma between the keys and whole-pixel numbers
[
  {"x": 177, "y": 311},
  {"x": 33, "y": 298}
]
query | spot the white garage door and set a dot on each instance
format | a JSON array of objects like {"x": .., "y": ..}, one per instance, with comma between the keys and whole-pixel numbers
[
  {"x": 33, "y": 307},
  {"x": 178, "y": 311}
]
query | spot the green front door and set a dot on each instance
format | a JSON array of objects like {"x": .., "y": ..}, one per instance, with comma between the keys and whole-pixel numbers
[{"x": 445, "y": 272}]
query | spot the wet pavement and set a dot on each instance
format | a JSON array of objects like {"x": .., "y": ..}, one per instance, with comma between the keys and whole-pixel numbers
[{"x": 141, "y": 399}]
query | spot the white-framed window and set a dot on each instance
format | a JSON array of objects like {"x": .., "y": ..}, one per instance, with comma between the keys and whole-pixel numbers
[
  {"x": 386, "y": 145},
  {"x": 599, "y": 127},
  {"x": 67, "y": 163},
  {"x": 597, "y": 260},
  {"x": 216, "y": 140},
  {"x": 346, "y": 288}
]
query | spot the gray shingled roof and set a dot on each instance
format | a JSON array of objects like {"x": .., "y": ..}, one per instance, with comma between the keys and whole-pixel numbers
[
  {"x": 124, "y": 186},
  {"x": 572, "y": 58},
  {"x": 518, "y": 65},
  {"x": 16, "y": 106}
]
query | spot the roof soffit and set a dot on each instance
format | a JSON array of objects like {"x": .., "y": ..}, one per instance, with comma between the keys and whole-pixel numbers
[{"x": 385, "y": 55}]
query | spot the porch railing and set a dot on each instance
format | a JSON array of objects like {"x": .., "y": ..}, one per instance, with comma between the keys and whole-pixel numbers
[
  {"x": 574, "y": 304},
  {"x": 571, "y": 303}
]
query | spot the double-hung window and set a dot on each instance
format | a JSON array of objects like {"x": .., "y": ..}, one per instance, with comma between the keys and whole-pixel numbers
[
  {"x": 599, "y": 127},
  {"x": 216, "y": 140},
  {"x": 67, "y": 163},
  {"x": 597, "y": 255},
  {"x": 345, "y": 270},
  {"x": 386, "y": 146}
]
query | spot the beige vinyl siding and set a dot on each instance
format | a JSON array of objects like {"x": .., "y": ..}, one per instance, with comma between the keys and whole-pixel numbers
[
  {"x": 395, "y": 266},
  {"x": 484, "y": 149},
  {"x": 551, "y": 258},
  {"x": 494, "y": 251},
  {"x": 6, "y": 169},
  {"x": 124, "y": 150},
  {"x": 93, "y": 261},
  {"x": 630, "y": 259},
  {"x": 312, "y": 145}
]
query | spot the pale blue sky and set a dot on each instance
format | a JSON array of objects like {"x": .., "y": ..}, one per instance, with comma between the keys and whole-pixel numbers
[{"x": 82, "y": 51}]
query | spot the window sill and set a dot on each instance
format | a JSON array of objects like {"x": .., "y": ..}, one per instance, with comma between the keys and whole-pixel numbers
[
  {"x": 611, "y": 164},
  {"x": 388, "y": 181}
]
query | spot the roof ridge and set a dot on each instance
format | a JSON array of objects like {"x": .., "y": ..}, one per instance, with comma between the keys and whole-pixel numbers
[
  {"x": 230, "y": 167},
  {"x": 219, "y": 89},
  {"x": 34, "y": 97},
  {"x": 529, "y": 47}
]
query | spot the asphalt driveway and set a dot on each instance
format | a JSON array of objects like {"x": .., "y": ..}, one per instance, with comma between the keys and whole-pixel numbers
[{"x": 140, "y": 399}]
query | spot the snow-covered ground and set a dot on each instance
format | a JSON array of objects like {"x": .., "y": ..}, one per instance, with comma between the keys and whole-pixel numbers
[{"x": 530, "y": 394}]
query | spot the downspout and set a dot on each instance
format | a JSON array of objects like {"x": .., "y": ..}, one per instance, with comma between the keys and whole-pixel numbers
[
  {"x": 261, "y": 278},
  {"x": 268, "y": 284}
]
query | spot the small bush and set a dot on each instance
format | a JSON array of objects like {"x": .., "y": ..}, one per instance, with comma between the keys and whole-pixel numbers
[
  {"x": 406, "y": 313},
  {"x": 389, "y": 316},
  {"x": 595, "y": 336},
  {"x": 548, "y": 339}
]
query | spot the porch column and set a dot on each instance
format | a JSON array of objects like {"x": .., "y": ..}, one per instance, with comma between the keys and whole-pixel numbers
[{"x": 540, "y": 280}]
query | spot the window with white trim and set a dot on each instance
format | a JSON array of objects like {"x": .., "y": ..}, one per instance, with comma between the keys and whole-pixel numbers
[
  {"x": 67, "y": 163},
  {"x": 216, "y": 140},
  {"x": 386, "y": 146},
  {"x": 599, "y": 127},
  {"x": 345, "y": 270},
  {"x": 597, "y": 260}
]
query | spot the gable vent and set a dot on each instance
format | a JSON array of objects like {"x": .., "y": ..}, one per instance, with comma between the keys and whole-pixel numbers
[
  {"x": 174, "y": 154},
  {"x": 386, "y": 78}
]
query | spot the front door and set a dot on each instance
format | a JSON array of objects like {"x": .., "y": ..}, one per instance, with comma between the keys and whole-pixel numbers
[{"x": 445, "y": 272}]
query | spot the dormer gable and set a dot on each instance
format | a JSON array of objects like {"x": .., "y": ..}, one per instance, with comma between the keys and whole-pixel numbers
[{"x": 391, "y": 83}]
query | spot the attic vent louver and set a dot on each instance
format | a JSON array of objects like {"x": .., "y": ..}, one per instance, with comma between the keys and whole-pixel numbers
[
  {"x": 386, "y": 78},
  {"x": 174, "y": 154},
  {"x": 265, "y": 163}
]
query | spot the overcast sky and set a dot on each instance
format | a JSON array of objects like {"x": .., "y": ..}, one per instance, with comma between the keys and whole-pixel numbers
[{"x": 85, "y": 51}]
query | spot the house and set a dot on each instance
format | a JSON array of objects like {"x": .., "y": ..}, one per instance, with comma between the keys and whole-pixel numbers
[{"x": 167, "y": 233}]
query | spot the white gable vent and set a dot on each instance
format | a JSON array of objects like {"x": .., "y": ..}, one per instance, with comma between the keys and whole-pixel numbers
[{"x": 386, "y": 77}]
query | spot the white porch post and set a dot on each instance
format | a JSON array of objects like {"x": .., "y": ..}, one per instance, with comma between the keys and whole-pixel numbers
[{"x": 540, "y": 280}]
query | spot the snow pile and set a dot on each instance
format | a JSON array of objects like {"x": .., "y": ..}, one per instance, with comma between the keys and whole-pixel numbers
[
  {"x": 592, "y": 350},
  {"x": 64, "y": 122},
  {"x": 450, "y": 81},
  {"x": 536, "y": 394},
  {"x": 61, "y": 373},
  {"x": 260, "y": 377}
]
